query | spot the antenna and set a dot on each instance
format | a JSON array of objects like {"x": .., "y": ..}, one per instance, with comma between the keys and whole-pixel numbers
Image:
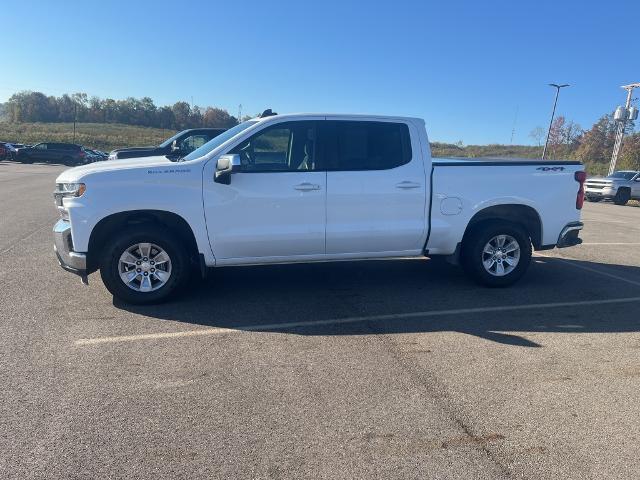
[{"x": 268, "y": 113}]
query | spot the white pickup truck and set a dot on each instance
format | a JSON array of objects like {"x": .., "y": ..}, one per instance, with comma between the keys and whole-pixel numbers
[{"x": 307, "y": 188}]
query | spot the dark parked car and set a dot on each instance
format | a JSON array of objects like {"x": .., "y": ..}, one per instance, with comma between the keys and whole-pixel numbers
[
  {"x": 66, "y": 153},
  {"x": 95, "y": 155},
  {"x": 181, "y": 144},
  {"x": 4, "y": 151},
  {"x": 12, "y": 149}
]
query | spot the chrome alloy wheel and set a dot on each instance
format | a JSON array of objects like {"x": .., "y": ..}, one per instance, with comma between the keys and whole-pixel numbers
[
  {"x": 501, "y": 254},
  {"x": 144, "y": 267}
]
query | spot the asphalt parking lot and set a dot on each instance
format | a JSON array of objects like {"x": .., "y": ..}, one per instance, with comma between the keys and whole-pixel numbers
[{"x": 384, "y": 369}]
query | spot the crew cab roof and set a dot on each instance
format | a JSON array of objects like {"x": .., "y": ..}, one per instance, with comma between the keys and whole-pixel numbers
[{"x": 338, "y": 116}]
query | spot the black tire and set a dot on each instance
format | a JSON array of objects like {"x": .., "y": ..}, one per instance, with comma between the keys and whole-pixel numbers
[
  {"x": 68, "y": 161},
  {"x": 623, "y": 195},
  {"x": 473, "y": 247},
  {"x": 109, "y": 268},
  {"x": 594, "y": 199}
]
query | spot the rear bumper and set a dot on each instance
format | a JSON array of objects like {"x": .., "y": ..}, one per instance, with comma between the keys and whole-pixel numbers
[
  {"x": 569, "y": 235},
  {"x": 68, "y": 259}
]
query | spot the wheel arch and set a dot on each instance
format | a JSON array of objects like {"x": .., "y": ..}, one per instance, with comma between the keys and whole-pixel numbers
[
  {"x": 523, "y": 215},
  {"x": 110, "y": 224}
]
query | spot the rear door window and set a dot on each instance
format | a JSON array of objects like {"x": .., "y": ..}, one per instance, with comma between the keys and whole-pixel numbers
[{"x": 349, "y": 145}]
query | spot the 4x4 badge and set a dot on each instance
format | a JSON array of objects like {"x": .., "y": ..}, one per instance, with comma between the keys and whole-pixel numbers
[{"x": 551, "y": 169}]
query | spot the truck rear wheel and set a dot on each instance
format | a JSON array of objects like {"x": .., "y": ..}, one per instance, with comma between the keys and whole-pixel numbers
[
  {"x": 623, "y": 195},
  {"x": 144, "y": 265},
  {"x": 496, "y": 254}
]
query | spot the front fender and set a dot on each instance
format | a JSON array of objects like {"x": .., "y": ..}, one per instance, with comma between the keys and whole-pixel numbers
[{"x": 176, "y": 190}]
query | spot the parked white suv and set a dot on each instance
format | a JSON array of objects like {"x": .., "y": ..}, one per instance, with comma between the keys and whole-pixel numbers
[{"x": 306, "y": 188}]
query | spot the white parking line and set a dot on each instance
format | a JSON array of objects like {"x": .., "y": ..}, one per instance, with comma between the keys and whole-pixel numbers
[
  {"x": 569, "y": 261},
  {"x": 610, "y": 243},
  {"x": 342, "y": 321}
]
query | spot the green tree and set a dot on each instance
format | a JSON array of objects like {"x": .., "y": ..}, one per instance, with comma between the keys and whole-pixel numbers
[
  {"x": 218, "y": 118},
  {"x": 182, "y": 114}
]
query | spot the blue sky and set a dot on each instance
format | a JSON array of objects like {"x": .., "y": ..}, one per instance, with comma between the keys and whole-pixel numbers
[{"x": 463, "y": 66}]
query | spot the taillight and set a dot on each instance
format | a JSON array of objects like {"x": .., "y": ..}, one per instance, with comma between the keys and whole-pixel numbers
[
  {"x": 82, "y": 154},
  {"x": 580, "y": 177}
]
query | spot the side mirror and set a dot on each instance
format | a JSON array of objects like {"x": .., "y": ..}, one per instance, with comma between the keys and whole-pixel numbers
[
  {"x": 225, "y": 166},
  {"x": 174, "y": 147}
]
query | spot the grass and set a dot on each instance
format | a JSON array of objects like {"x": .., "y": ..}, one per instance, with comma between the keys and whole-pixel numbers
[
  {"x": 107, "y": 136},
  {"x": 477, "y": 151},
  {"x": 101, "y": 136}
]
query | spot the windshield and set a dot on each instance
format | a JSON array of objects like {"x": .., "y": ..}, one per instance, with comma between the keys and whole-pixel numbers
[
  {"x": 169, "y": 141},
  {"x": 625, "y": 175},
  {"x": 219, "y": 140}
]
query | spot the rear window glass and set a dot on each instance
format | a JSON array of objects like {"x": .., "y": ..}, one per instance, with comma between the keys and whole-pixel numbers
[
  {"x": 63, "y": 146},
  {"x": 366, "y": 145}
]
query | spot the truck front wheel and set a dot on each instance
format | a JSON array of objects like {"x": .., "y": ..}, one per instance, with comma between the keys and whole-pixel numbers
[
  {"x": 496, "y": 254},
  {"x": 144, "y": 265}
]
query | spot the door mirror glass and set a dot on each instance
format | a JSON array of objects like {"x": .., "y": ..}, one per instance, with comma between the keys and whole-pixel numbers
[{"x": 225, "y": 166}]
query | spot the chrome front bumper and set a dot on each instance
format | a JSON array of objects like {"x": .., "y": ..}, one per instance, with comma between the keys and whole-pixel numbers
[{"x": 68, "y": 259}]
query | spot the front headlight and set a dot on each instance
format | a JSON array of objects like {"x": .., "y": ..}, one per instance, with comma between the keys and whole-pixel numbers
[{"x": 67, "y": 190}]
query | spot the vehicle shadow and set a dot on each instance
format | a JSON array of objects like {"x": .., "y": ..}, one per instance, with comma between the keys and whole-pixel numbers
[
  {"x": 11, "y": 161},
  {"x": 405, "y": 296}
]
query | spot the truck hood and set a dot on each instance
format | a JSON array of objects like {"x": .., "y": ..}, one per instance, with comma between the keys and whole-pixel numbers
[
  {"x": 600, "y": 180},
  {"x": 78, "y": 173}
]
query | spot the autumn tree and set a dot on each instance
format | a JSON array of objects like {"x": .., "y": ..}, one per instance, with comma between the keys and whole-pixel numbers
[{"x": 216, "y": 117}]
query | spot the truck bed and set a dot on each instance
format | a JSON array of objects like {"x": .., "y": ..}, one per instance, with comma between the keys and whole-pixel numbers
[{"x": 548, "y": 187}]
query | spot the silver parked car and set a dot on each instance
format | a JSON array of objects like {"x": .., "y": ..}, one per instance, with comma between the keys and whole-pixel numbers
[{"x": 620, "y": 187}]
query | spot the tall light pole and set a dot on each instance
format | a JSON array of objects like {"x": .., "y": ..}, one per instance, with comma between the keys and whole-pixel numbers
[
  {"x": 621, "y": 116},
  {"x": 553, "y": 113},
  {"x": 75, "y": 116}
]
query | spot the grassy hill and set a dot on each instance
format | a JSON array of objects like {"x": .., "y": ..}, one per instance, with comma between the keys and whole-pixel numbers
[
  {"x": 478, "y": 151},
  {"x": 107, "y": 136},
  {"x": 101, "y": 136}
]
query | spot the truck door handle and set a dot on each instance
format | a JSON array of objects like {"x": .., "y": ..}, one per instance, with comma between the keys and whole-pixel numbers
[
  {"x": 306, "y": 186},
  {"x": 406, "y": 185}
]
